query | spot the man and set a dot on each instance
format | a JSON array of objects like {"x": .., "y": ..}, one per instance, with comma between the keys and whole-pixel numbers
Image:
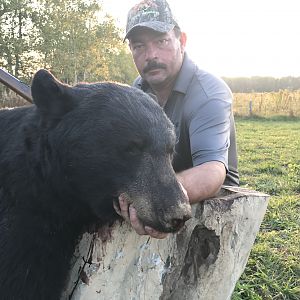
[{"x": 198, "y": 104}]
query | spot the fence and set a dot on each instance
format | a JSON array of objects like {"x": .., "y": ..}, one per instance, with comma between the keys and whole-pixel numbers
[{"x": 284, "y": 103}]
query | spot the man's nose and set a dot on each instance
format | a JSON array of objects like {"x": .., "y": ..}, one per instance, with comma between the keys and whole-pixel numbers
[{"x": 151, "y": 51}]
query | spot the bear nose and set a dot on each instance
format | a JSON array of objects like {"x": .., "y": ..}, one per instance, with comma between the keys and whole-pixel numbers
[{"x": 177, "y": 223}]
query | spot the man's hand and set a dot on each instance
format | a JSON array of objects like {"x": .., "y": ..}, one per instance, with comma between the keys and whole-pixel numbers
[{"x": 128, "y": 212}]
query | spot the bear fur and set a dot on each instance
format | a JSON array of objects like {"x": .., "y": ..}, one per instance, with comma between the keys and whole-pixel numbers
[{"x": 63, "y": 161}]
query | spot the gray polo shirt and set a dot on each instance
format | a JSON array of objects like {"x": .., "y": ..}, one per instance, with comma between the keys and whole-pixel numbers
[{"x": 200, "y": 107}]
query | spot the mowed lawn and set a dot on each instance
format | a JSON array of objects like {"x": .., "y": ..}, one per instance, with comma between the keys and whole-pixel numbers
[{"x": 269, "y": 161}]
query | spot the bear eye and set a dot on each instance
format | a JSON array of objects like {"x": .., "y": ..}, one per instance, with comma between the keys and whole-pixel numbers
[
  {"x": 135, "y": 147},
  {"x": 170, "y": 149}
]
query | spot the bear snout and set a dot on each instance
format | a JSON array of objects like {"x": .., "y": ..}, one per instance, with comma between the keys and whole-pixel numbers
[{"x": 175, "y": 218}]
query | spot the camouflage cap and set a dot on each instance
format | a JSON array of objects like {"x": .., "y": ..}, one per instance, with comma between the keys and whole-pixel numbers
[{"x": 154, "y": 14}]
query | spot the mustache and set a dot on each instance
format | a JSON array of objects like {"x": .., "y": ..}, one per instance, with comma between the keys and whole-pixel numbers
[{"x": 152, "y": 65}]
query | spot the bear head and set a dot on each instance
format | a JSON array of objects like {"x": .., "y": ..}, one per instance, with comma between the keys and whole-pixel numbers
[{"x": 101, "y": 140}]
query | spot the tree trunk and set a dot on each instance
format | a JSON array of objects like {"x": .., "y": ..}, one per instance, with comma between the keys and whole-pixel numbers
[{"x": 203, "y": 261}]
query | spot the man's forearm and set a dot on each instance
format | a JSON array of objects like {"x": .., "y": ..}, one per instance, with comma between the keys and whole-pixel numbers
[{"x": 203, "y": 181}]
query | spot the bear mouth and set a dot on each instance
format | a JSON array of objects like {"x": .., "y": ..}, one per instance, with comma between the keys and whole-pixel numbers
[
  {"x": 172, "y": 227},
  {"x": 161, "y": 224}
]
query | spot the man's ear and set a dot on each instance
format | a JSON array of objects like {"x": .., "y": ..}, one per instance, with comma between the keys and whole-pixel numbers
[
  {"x": 52, "y": 97},
  {"x": 182, "y": 41}
]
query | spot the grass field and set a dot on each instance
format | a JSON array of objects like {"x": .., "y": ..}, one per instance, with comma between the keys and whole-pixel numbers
[{"x": 269, "y": 161}]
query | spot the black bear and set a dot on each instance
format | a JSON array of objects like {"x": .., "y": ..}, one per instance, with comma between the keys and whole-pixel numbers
[{"x": 63, "y": 161}]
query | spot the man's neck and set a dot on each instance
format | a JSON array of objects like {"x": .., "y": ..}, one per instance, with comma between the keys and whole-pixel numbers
[
  {"x": 163, "y": 92},
  {"x": 162, "y": 97}
]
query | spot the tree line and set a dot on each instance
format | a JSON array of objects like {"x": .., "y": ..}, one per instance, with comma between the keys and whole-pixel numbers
[
  {"x": 262, "y": 84},
  {"x": 74, "y": 39}
]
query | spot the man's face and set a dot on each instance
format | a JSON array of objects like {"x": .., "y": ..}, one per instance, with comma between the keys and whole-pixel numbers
[{"x": 157, "y": 56}]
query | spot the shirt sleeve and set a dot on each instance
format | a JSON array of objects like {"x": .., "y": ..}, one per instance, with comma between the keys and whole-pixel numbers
[{"x": 209, "y": 128}]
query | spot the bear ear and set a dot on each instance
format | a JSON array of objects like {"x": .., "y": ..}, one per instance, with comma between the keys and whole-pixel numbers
[{"x": 52, "y": 97}]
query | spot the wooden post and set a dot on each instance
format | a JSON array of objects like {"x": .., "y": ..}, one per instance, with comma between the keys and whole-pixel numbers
[{"x": 250, "y": 108}]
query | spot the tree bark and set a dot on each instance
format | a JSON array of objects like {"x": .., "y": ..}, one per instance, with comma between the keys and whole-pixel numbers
[{"x": 203, "y": 261}]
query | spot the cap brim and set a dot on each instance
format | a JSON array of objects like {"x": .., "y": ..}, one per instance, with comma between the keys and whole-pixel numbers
[{"x": 154, "y": 25}]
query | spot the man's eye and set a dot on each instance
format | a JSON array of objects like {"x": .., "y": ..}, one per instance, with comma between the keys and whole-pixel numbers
[
  {"x": 163, "y": 42},
  {"x": 138, "y": 47}
]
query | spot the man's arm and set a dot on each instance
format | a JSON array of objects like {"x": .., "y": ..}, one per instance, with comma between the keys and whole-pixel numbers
[{"x": 203, "y": 181}]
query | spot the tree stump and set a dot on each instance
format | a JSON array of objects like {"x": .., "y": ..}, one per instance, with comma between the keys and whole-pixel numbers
[{"x": 203, "y": 261}]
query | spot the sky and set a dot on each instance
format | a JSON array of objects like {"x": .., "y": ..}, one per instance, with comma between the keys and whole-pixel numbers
[{"x": 234, "y": 38}]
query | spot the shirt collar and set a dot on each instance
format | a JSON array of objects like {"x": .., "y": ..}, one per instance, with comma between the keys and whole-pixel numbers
[{"x": 185, "y": 75}]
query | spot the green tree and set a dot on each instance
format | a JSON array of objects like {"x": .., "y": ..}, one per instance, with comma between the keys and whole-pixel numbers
[
  {"x": 76, "y": 44},
  {"x": 15, "y": 37},
  {"x": 74, "y": 39}
]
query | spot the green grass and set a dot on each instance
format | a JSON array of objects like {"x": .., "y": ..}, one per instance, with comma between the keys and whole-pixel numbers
[{"x": 269, "y": 161}]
